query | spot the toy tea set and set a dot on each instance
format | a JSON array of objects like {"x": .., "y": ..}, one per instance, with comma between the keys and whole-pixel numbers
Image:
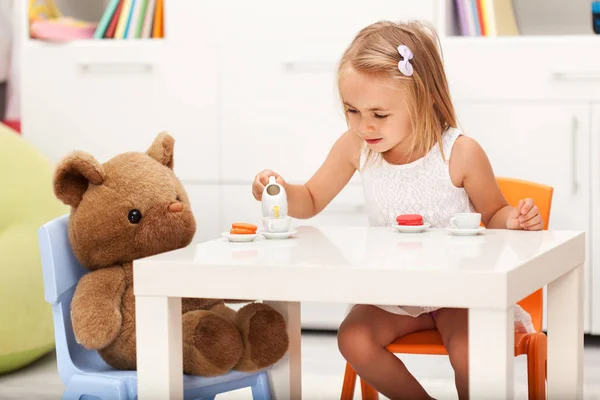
[{"x": 276, "y": 222}]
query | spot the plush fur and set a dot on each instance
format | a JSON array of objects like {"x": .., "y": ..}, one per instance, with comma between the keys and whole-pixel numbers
[{"x": 134, "y": 206}]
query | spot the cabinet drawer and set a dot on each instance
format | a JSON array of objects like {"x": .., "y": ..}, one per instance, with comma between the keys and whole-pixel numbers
[
  {"x": 544, "y": 143},
  {"x": 523, "y": 68},
  {"x": 108, "y": 97},
  {"x": 280, "y": 109}
]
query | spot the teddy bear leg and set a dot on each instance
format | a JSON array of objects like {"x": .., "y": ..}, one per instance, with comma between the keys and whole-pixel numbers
[
  {"x": 121, "y": 353},
  {"x": 212, "y": 344},
  {"x": 265, "y": 336}
]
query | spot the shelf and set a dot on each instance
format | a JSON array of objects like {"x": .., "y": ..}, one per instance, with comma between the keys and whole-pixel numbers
[
  {"x": 93, "y": 13},
  {"x": 524, "y": 39},
  {"x": 537, "y": 18},
  {"x": 98, "y": 43}
]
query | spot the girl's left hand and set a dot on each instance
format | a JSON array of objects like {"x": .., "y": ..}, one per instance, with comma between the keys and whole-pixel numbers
[{"x": 525, "y": 216}]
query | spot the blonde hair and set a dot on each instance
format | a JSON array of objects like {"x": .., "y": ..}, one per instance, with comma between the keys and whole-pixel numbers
[{"x": 374, "y": 50}]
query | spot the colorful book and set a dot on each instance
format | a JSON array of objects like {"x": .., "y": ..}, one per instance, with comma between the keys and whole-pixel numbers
[
  {"x": 123, "y": 19},
  {"x": 470, "y": 18},
  {"x": 481, "y": 18},
  {"x": 129, "y": 18},
  {"x": 501, "y": 20},
  {"x": 106, "y": 18},
  {"x": 139, "y": 21},
  {"x": 157, "y": 29},
  {"x": 484, "y": 16},
  {"x": 463, "y": 21},
  {"x": 112, "y": 27},
  {"x": 476, "y": 25},
  {"x": 148, "y": 19}
]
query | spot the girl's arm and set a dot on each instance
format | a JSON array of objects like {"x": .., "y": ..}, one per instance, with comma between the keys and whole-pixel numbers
[
  {"x": 306, "y": 201},
  {"x": 470, "y": 166}
]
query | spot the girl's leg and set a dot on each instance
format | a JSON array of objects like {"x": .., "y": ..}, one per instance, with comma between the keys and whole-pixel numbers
[
  {"x": 362, "y": 340},
  {"x": 452, "y": 323}
]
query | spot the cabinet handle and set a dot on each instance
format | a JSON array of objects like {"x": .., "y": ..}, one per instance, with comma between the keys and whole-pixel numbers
[
  {"x": 308, "y": 67},
  {"x": 566, "y": 76},
  {"x": 574, "y": 128},
  {"x": 117, "y": 68}
]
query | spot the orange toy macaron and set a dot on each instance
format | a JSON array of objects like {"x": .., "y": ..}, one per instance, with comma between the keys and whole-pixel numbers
[{"x": 243, "y": 228}]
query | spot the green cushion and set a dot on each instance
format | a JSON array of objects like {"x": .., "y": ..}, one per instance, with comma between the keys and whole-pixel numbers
[{"x": 26, "y": 203}]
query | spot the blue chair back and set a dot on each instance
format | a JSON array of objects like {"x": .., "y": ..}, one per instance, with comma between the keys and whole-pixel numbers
[
  {"x": 61, "y": 272},
  {"x": 83, "y": 371}
]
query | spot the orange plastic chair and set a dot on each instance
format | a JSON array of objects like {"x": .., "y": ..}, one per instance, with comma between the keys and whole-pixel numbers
[{"x": 533, "y": 345}]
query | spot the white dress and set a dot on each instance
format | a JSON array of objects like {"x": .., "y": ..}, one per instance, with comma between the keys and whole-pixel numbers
[{"x": 421, "y": 187}]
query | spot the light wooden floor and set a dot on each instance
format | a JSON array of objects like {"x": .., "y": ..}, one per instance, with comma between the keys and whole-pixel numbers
[{"x": 322, "y": 369}]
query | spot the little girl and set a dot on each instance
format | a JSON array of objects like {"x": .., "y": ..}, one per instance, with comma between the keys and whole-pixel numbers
[{"x": 404, "y": 141}]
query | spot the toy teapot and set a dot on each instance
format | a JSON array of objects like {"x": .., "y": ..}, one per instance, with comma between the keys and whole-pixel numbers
[{"x": 274, "y": 200}]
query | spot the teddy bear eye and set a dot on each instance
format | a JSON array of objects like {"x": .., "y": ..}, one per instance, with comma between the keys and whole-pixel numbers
[{"x": 135, "y": 216}]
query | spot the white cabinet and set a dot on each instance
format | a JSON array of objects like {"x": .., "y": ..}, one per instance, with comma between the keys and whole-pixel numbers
[
  {"x": 91, "y": 97},
  {"x": 280, "y": 110},
  {"x": 106, "y": 98},
  {"x": 278, "y": 69},
  {"x": 311, "y": 20},
  {"x": 542, "y": 142},
  {"x": 190, "y": 111},
  {"x": 510, "y": 68}
]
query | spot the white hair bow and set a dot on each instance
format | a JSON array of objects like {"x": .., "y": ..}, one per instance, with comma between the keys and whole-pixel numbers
[{"x": 404, "y": 64}]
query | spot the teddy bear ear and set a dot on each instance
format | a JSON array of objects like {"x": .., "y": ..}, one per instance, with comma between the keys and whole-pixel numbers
[
  {"x": 162, "y": 149},
  {"x": 73, "y": 176}
]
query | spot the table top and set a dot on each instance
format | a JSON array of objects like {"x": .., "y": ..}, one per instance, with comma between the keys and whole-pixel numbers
[{"x": 354, "y": 264}]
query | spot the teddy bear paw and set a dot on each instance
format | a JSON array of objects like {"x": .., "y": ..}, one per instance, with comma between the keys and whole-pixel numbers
[
  {"x": 265, "y": 336},
  {"x": 212, "y": 344}
]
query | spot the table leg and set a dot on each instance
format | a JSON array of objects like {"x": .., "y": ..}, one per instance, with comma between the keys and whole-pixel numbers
[
  {"x": 565, "y": 336},
  {"x": 491, "y": 353},
  {"x": 285, "y": 376},
  {"x": 159, "y": 347}
]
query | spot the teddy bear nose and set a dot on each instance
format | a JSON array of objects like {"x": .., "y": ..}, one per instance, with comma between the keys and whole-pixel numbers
[{"x": 175, "y": 207}]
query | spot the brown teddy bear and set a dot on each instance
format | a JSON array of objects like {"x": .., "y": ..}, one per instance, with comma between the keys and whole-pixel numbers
[{"x": 134, "y": 206}]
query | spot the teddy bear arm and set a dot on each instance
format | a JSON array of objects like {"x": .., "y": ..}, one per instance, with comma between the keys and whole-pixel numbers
[{"x": 96, "y": 307}]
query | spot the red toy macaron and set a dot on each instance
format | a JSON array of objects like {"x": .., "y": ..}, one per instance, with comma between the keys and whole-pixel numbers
[{"x": 409, "y": 220}]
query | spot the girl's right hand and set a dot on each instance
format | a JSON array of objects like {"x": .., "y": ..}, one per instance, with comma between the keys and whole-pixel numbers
[{"x": 260, "y": 181}]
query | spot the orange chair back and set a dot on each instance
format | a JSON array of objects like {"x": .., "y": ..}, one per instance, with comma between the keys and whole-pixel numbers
[{"x": 513, "y": 191}]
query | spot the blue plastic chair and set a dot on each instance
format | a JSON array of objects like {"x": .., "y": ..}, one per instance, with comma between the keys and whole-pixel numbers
[{"x": 84, "y": 373}]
